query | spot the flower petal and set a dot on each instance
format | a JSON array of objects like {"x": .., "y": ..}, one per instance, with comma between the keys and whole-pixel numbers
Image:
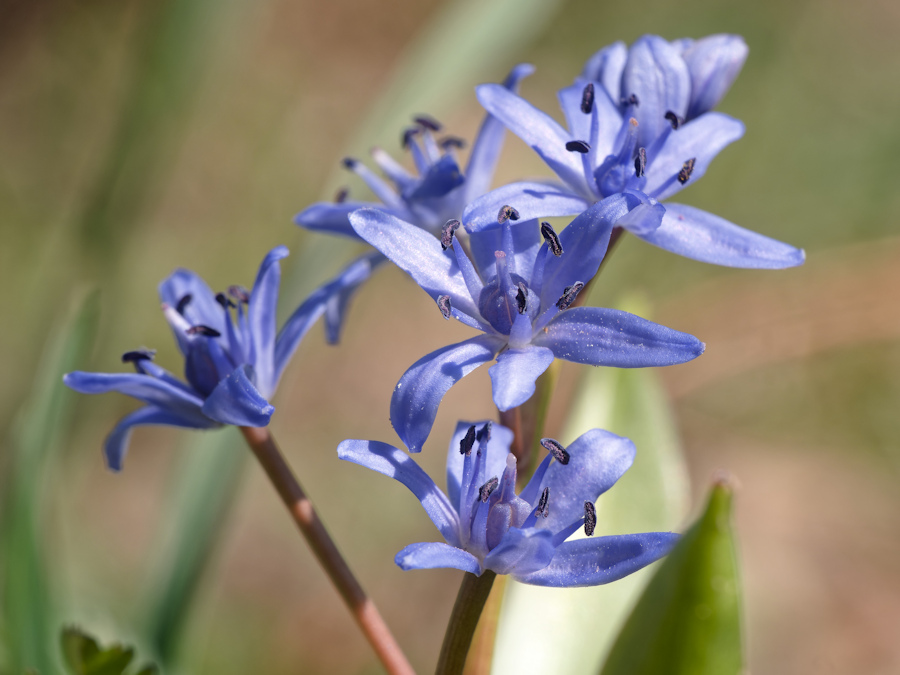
[
  {"x": 394, "y": 463},
  {"x": 261, "y": 316},
  {"x": 418, "y": 394},
  {"x": 202, "y": 307},
  {"x": 513, "y": 376},
  {"x": 431, "y": 555},
  {"x": 521, "y": 552},
  {"x": 597, "y": 459},
  {"x": 417, "y": 253},
  {"x": 489, "y": 142},
  {"x": 116, "y": 444},
  {"x": 606, "y": 67},
  {"x": 530, "y": 198},
  {"x": 142, "y": 387},
  {"x": 696, "y": 234},
  {"x": 495, "y": 461},
  {"x": 235, "y": 400},
  {"x": 332, "y": 218},
  {"x": 538, "y": 130},
  {"x": 700, "y": 139},
  {"x": 609, "y": 337},
  {"x": 608, "y": 117},
  {"x": 600, "y": 560},
  {"x": 714, "y": 63},
  {"x": 657, "y": 74}
]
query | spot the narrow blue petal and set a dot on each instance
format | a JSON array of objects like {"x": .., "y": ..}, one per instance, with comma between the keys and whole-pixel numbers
[
  {"x": 714, "y": 63},
  {"x": 142, "y": 387},
  {"x": 417, "y": 253},
  {"x": 235, "y": 400},
  {"x": 116, "y": 444},
  {"x": 657, "y": 74},
  {"x": 441, "y": 177},
  {"x": 608, "y": 116},
  {"x": 600, "y": 560},
  {"x": 513, "y": 376},
  {"x": 495, "y": 461},
  {"x": 606, "y": 67},
  {"x": 331, "y": 218},
  {"x": 521, "y": 552},
  {"x": 261, "y": 316},
  {"x": 489, "y": 142},
  {"x": 418, "y": 394},
  {"x": 700, "y": 139},
  {"x": 531, "y": 199},
  {"x": 696, "y": 234},
  {"x": 202, "y": 307},
  {"x": 609, "y": 337},
  {"x": 538, "y": 130},
  {"x": 394, "y": 463},
  {"x": 597, "y": 459},
  {"x": 643, "y": 219},
  {"x": 584, "y": 243},
  {"x": 431, "y": 555}
]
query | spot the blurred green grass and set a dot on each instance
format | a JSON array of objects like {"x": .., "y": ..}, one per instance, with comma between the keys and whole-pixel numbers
[{"x": 256, "y": 108}]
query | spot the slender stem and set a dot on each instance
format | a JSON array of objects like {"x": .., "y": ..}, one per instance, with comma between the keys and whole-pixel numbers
[
  {"x": 473, "y": 593},
  {"x": 481, "y": 653},
  {"x": 301, "y": 509}
]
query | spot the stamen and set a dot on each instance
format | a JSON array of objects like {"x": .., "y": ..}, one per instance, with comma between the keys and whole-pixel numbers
[
  {"x": 587, "y": 99},
  {"x": 428, "y": 122},
  {"x": 349, "y": 163},
  {"x": 223, "y": 300},
  {"x": 686, "y": 170},
  {"x": 631, "y": 100},
  {"x": 640, "y": 162},
  {"x": 205, "y": 331},
  {"x": 443, "y": 303},
  {"x": 522, "y": 297},
  {"x": 447, "y": 233},
  {"x": 448, "y": 142},
  {"x": 543, "y": 507},
  {"x": 408, "y": 133},
  {"x": 674, "y": 119},
  {"x": 484, "y": 492},
  {"x": 484, "y": 434},
  {"x": 467, "y": 442},
  {"x": 552, "y": 239},
  {"x": 142, "y": 354},
  {"x": 569, "y": 294},
  {"x": 507, "y": 213},
  {"x": 578, "y": 146},
  {"x": 239, "y": 293},
  {"x": 341, "y": 195},
  {"x": 183, "y": 303},
  {"x": 556, "y": 449},
  {"x": 590, "y": 518}
]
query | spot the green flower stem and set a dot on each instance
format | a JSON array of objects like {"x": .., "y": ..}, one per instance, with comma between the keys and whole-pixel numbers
[
  {"x": 304, "y": 514},
  {"x": 473, "y": 593}
]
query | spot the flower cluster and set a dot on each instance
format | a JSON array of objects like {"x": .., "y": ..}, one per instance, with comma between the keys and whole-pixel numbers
[{"x": 640, "y": 128}]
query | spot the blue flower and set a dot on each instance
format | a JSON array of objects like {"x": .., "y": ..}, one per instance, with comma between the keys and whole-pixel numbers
[
  {"x": 638, "y": 120},
  {"x": 233, "y": 358},
  {"x": 487, "y": 526},
  {"x": 517, "y": 292},
  {"x": 439, "y": 191}
]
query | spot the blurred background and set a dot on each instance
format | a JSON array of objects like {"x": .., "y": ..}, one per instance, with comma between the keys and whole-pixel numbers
[{"x": 137, "y": 136}]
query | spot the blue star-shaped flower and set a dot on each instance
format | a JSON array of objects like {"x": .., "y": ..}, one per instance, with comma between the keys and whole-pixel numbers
[
  {"x": 487, "y": 526},
  {"x": 233, "y": 359},
  {"x": 517, "y": 292},
  {"x": 639, "y": 122},
  {"x": 439, "y": 191}
]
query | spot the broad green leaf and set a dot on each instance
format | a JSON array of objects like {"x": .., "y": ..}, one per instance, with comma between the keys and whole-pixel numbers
[
  {"x": 688, "y": 620},
  {"x": 651, "y": 496},
  {"x": 84, "y": 656},
  {"x": 44, "y": 419}
]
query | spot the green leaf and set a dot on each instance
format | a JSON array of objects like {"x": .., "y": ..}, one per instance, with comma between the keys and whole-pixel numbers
[
  {"x": 83, "y": 656},
  {"x": 43, "y": 420},
  {"x": 688, "y": 620},
  {"x": 651, "y": 496}
]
